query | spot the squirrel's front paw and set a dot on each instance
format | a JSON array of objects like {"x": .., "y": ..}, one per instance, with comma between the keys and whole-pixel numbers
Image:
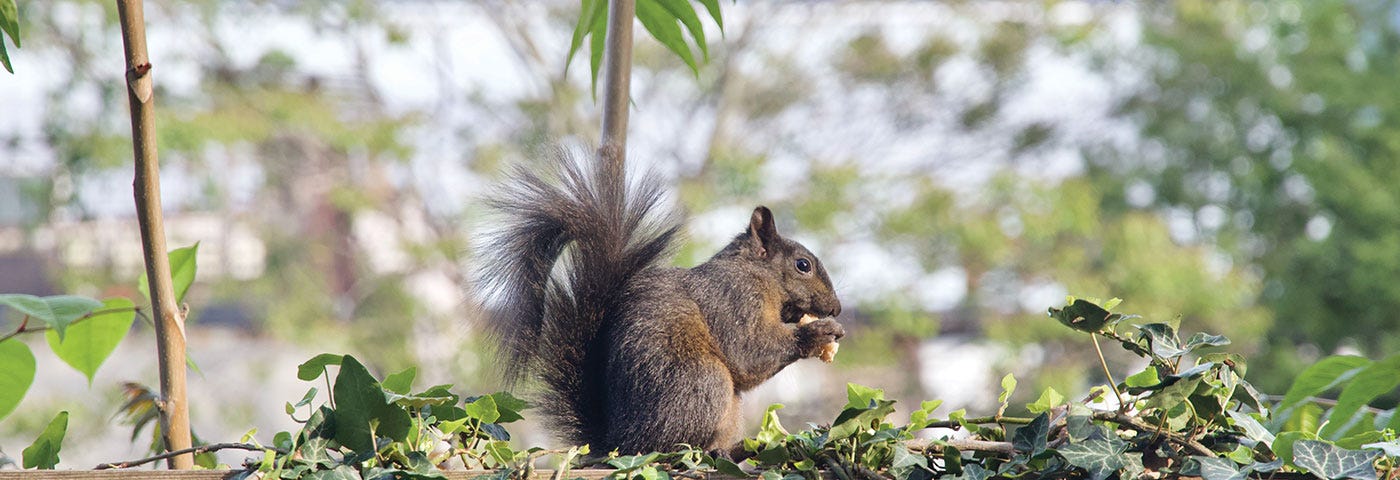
[{"x": 817, "y": 338}]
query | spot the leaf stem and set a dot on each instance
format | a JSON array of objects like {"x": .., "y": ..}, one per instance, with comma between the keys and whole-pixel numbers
[
  {"x": 184, "y": 451},
  {"x": 25, "y": 328},
  {"x": 1111, "y": 382}
]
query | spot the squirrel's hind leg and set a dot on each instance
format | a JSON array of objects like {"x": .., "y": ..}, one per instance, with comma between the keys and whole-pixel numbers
[{"x": 689, "y": 401}]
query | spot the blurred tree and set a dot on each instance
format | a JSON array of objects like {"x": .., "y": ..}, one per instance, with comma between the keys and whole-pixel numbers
[{"x": 1270, "y": 129}]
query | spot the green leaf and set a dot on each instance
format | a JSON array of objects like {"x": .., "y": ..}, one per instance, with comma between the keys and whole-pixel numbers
[
  {"x": 509, "y": 407},
  {"x": 921, "y": 418},
  {"x": 861, "y": 396},
  {"x": 727, "y": 467},
  {"x": 1161, "y": 338},
  {"x": 1372, "y": 381},
  {"x": 360, "y": 403},
  {"x": 5, "y": 55},
  {"x": 1284, "y": 441},
  {"x": 484, "y": 409},
  {"x": 1330, "y": 461},
  {"x": 713, "y": 7},
  {"x": 89, "y": 342},
  {"x": 1099, "y": 457},
  {"x": 1216, "y": 468},
  {"x": 663, "y": 27},
  {"x": 1202, "y": 339},
  {"x": 596, "y": 43},
  {"x": 1146, "y": 378},
  {"x": 500, "y": 451},
  {"x": 1083, "y": 316},
  {"x": 588, "y": 14},
  {"x": 1251, "y": 427},
  {"x": 1031, "y": 438},
  {"x": 16, "y": 374},
  {"x": 685, "y": 13},
  {"x": 905, "y": 464},
  {"x": 1049, "y": 398},
  {"x": 1322, "y": 376},
  {"x": 182, "y": 270},
  {"x": 43, "y": 453},
  {"x": 401, "y": 382},
  {"x": 314, "y": 367},
  {"x": 770, "y": 430},
  {"x": 632, "y": 462},
  {"x": 9, "y": 21},
  {"x": 56, "y": 311},
  {"x": 1008, "y": 386},
  {"x": 1391, "y": 449}
]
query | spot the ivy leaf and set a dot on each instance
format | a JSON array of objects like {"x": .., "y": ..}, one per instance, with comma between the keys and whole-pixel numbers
[
  {"x": 1216, "y": 468},
  {"x": 509, "y": 407},
  {"x": 43, "y": 453},
  {"x": 906, "y": 465},
  {"x": 55, "y": 311},
  {"x": 632, "y": 462},
  {"x": 1202, "y": 339},
  {"x": 1008, "y": 386},
  {"x": 314, "y": 367},
  {"x": 401, "y": 382},
  {"x": 182, "y": 270},
  {"x": 1031, "y": 438},
  {"x": 1049, "y": 398},
  {"x": 1372, "y": 381},
  {"x": 861, "y": 396},
  {"x": 974, "y": 471},
  {"x": 1284, "y": 441},
  {"x": 921, "y": 418},
  {"x": 1080, "y": 424},
  {"x": 1322, "y": 376},
  {"x": 1084, "y": 316},
  {"x": 484, "y": 409},
  {"x": 1161, "y": 339},
  {"x": 770, "y": 431},
  {"x": 1251, "y": 427},
  {"x": 1143, "y": 380},
  {"x": 89, "y": 343},
  {"x": 1099, "y": 457},
  {"x": 727, "y": 467},
  {"x": 16, "y": 373},
  {"x": 1330, "y": 461},
  {"x": 1391, "y": 449},
  {"x": 361, "y": 403}
]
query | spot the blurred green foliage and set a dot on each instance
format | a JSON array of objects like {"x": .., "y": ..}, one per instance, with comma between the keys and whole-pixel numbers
[{"x": 1273, "y": 126}]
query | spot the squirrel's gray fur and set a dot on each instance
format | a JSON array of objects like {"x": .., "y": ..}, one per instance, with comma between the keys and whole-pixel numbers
[{"x": 633, "y": 356}]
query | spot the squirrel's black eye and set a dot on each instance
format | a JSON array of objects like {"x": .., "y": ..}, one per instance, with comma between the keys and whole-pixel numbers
[{"x": 804, "y": 266}]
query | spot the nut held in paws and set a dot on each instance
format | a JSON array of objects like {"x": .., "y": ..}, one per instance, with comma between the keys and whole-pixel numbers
[{"x": 829, "y": 351}]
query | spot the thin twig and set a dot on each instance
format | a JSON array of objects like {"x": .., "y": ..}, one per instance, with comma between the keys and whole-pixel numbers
[
  {"x": 1111, "y": 383},
  {"x": 183, "y": 451},
  {"x": 920, "y": 445},
  {"x": 24, "y": 326},
  {"x": 1122, "y": 419},
  {"x": 981, "y": 420}
]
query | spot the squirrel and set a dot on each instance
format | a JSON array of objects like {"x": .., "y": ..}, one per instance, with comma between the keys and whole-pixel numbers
[{"x": 633, "y": 356}]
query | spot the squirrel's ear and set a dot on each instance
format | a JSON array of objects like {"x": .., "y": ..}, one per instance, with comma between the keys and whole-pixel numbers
[{"x": 762, "y": 232}]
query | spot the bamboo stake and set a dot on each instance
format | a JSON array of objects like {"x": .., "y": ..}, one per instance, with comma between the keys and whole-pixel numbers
[
  {"x": 169, "y": 321},
  {"x": 617, "y": 81}
]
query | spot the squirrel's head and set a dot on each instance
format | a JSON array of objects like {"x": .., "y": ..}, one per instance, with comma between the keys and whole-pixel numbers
[{"x": 801, "y": 274}]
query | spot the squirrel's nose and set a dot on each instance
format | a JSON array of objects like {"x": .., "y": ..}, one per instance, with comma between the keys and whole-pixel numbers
[{"x": 836, "y": 309}]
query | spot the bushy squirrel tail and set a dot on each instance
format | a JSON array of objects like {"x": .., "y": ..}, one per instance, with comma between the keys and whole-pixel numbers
[{"x": 554, "y": 272}]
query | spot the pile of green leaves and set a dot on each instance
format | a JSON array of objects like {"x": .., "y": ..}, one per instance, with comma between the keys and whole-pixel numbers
[{"x": 372, "y": 429}]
